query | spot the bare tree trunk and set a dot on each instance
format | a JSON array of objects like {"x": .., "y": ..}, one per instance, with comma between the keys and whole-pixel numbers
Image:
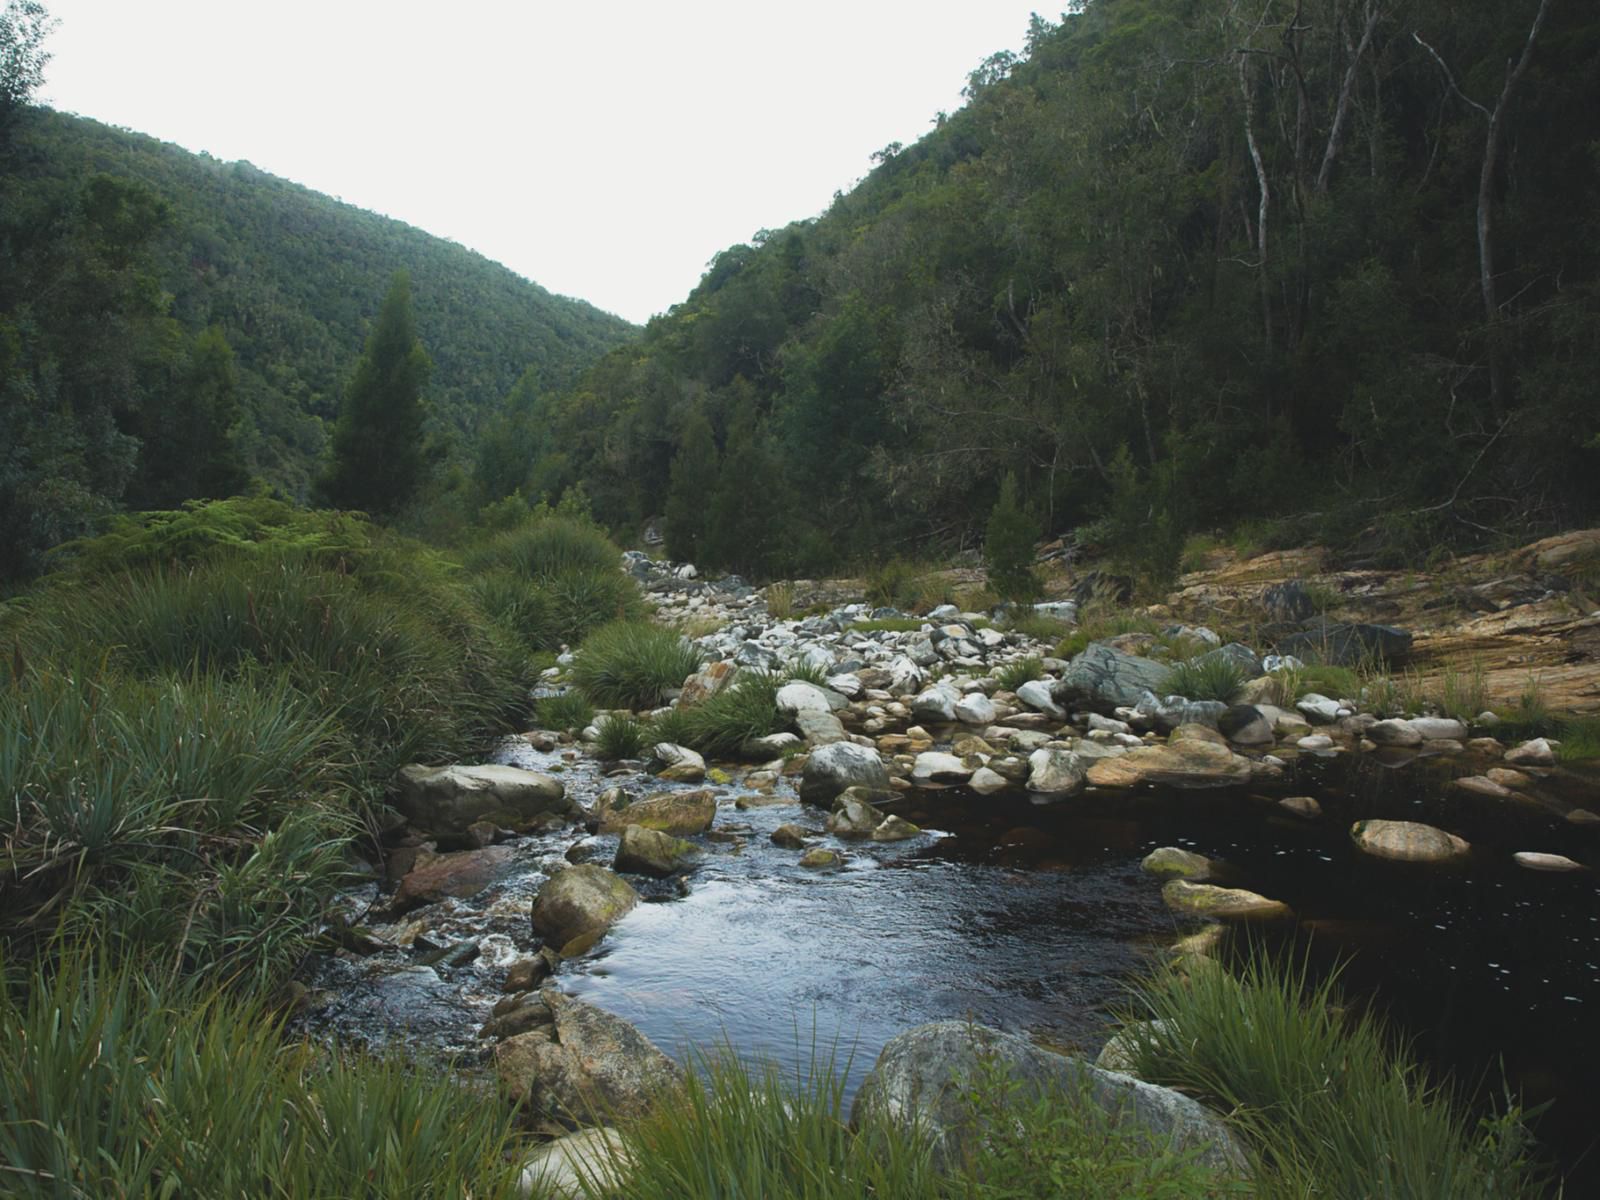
[
  {"x": 1341, "y": 110},
  {"x": 1266, "y": 198}
]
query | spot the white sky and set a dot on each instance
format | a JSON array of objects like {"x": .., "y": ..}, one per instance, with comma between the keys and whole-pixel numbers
[{"x": 604, "y": 150}]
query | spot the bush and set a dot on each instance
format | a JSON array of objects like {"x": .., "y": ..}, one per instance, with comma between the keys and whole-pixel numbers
[
  {"x": 780, "y": 601},
  {"x": 1040, "y": 628},
  {"x": 1014, "y": 675},
  {"x": 1008, "y": 546},
  {"x": 622, "y": 736},
  {"x": 1331, "y": 1108},
  {"x": 905, "y": 585},
  {"x": 722, "y": 724},
  {"x": 566, "y": 710},
  {"x": 115, "y": 1084},
  {"x": 547, "y": 547},
  {"x": 1210, "y": 677},
  {"x": 633, "y": 664}
]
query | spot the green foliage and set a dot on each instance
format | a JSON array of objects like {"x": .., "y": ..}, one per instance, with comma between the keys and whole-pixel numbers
[
  {"x": 189, "y": 431},
  {"x": 378, "y": 458},
  {"x": 1008, "y": 543},
  {"x": 1580, "y": 740},
  {"x": 735, "y": 1130},
  {"x": 552, "y": 580},
  {"x": 694, "y": 479},
  {"x": 780, "y": 601},
  {"x": 623, "y": 736},
  {"x": 720, "y": 725},
  {"x": 1209, "y": 677},
  {"x": 633, "y": 664},
  {"x": 117, "y": 1082},
  {"x": 900, "y": 583},
  {"x": 1014, "y": 675},
  {"x": 565, "y": 710},
  {"x": 1332, "y": 1108},
  {"x": 1037, "y": 626},
  {"x": 545, "y": 547}
]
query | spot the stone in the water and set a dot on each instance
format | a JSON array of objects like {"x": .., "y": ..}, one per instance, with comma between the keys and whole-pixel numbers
[
  {"x": 677, "y": 763},
  {"x": 1395, "y": 732},
  {"x": 1408, "y": 841},
  {"x": 924, "y": 1077},
  {"x": 1173, "y": 862},
  {"x": 464, "y": 873},
  {"x": 449, "y": 800},
  {"x": 667, "y": 812},
  {"x": 937, "y": 703},
  {"x": 580, "y": 901},
  {"x": 1183, "y": 764},
  {"x": 790, "y": 836},
  {"x": 819, "y": 858},
  {"x": 830, "y": 770},
  {"x": 986, "y": 782},
  {"x": 936, "y": 767},
  {"x": 1534, "y": 860},
  {"x": 895, "y": 829},
  {"x": 650, "y": 852},
  {"x": 1056, "y": 772},
  {"x": 1301, "y": 806},
  {"x": 1439, "y": 729},
  {"x": 853, "y": 816},
  {"x": 1226, "y": 904},
  {"x": 1480, "y": 785},
  {"x": 1315, "y": 741},
  {"x": 1535, "y": 753},
  {"x": 1319, "y": 709}
]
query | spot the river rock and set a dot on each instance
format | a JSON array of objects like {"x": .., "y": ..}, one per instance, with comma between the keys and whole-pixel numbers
[
  {"x": 831, "y": 769},
  {"x": 923, "y": 1079},
  {"x": 790, "y": 836},
  {"x": 1246, "y": 725},
  {"x": 1439, "y": 729},
  {"x": 1394, "y": 732},
  {"x": 1225, "y": 904},
  {"x": 895, "y": 829},
  {"x": 650, "y": 852},
  {"x": 579, "y": 902},
  {"x": 1319, "y": 709},
  {"x": 853, "y": 815},
  {"x": 573, "y": 1167},
  {"x": 1103, "y": 678},
  {"x": 937, "y": 703},
  {"x": 1407, "y": 841},
  {"x": 986, "y": 781},
  {"x": 1036, "y": 695},
  {"x": 1182, "y": 764},
  {"x": 1534, "y": 860},
  {"x": 975, "y": 708},
  {"x": 589, "y": 1066},
  {"x": 1173, "y": 862},
  {"x": 447, "y": 801},
  {"x": 820, "y": 858},
  {"x": 936, "y": 767},
  {"x": 1535, "y": 753},
  {"x": 463, "y": 873},
  {"x": 819, "y": 728},
  {"x": 667, "y": 812},
  {"x": 676, "y": 763},
  {"x": 707, "y": 682},
  {"x": 1304, "y": 807},
  {"x": 1315, "y": 741},
  {"x": 798, "y": 697},
  {"x": 1054, "y": 772},
  {"x": 1480, "y": 785}
]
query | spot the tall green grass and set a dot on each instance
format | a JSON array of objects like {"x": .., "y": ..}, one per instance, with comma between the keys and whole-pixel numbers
[
  {"x": 118, "y": 1082},
  {"x": 1206, "y": 678},
  {"x": 633, "y": 664},
  {"x": 1331, "y": 1105},
  {"x": 546, "y": 547}
]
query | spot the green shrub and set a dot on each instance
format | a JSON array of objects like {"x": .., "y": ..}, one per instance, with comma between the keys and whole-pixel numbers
[
  {"x": 1040, "y": 628},
  {"x": 669, "y": 725},
  {"x": 518, "y": 605},
  {"x": 1333, "y": 1110},
  {"x": 780, "y": 601},
  {"x": 633, "y": 664},
  {"x": 566, "y": 710},
  {"x": 798, "y": 670},
  {"x": 747, "y": 709},
  {"x": 546, "y": 547},
  {"x": 1008, "y": 546},
  {"x": 579, "y": 602},
  {"x": 900, "y": 583},
  {"x": 1580, "y": 739},
  {"x": 1206, "y": 678},
  {"x": 115, "y": 1084},
  {"x": 623, "y": 736},
  {"x": 1014, "y": 675}
]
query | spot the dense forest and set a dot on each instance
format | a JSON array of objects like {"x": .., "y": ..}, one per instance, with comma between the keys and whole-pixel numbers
[
  {"x": 1320, "y": 268},
  {"x": 172, "y": 326}
]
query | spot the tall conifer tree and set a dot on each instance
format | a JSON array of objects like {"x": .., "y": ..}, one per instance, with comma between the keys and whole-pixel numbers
[{"x": 378, "y": 455}]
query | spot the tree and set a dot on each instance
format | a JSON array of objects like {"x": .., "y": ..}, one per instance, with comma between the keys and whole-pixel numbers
[
  {"x": 378, "y": 455},
  {"x": 1008, "y": 545},
  {"x": 24, "y": 24},
  {"x": 190, "y": 450},
  {"x": 694, "y": 478}
]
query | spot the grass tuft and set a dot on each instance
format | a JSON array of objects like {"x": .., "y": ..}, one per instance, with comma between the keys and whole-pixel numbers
[
  {"x": 623, "y": 736},
  {"x": 1014, "y": 675},
  {"x": 1210, "y": 677},
  {"x": 565, "y": 711},
  {"x": 633, "y": 664}
]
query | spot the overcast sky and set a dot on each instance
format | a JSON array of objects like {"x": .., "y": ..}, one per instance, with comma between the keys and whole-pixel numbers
[{"x": 604, "y": 150}]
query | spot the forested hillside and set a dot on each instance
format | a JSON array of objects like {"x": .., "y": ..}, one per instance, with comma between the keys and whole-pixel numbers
[
  {"x": 159, "y": 307},
  {"x": 1326, "y": 268}
]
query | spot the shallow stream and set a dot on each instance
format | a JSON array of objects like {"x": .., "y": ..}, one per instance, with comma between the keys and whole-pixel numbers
[{"x": 1032, "y": 918}]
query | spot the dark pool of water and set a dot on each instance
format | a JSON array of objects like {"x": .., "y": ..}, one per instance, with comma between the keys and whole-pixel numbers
[{"x": 1033, "y": 918}]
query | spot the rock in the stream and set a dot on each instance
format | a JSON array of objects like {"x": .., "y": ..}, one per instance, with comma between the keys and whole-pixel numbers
[
  {"x": 924, "y": 1077},
  {"x": 464, "y": 873},
  {"x": 1225, "y": 904},
  {"x": 1036, "y": 694},
  {"x": 820, "y": 858},
  {"x": 650, "y": 852},
  {"x": 895, "y": 829},
  {"x": 853, "y": 815},
  {"x": 1056, "y": 773},
  {"x": 831, "y": 769},
  {"x": 449, "y": 800},
  {"x": 1408, "y": 841},
  {"x": 1246, "y": 725},
  {"x": 676, "y": 763},
  {"x": 936, "y": 767},
  {"x": 666, "y": 812},
  {"x": 1188, "y": 763},
  {"x": 1173, "y": 862},
  {"x": 581, "y": 901},
  {"x": 791, "y": 837},
  {"x": 1105, "y": 678},
  {"x": 1535, "y": 753},
  {"x": 587, "y": 1067},
  {"x": 1394, "y": 732},
  {"x": 1535, "y": 860}
]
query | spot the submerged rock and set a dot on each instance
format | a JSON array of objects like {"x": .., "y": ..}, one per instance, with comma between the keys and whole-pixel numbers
[
  {"x": 464, "y": 873},
  {"x": 1172, "y": 862},
  {"x": 650, "y": 852},
  {"x": 924, "y": 1077},
  {"x": 581, "y": 901}
]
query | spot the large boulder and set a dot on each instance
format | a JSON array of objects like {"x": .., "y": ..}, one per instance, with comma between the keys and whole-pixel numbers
[
  {"x": 1104, "y": 678},
  {"x": 446, "y": 801},
  {"x": 1343, "y": 645},
  {"x": 677, "y": 764},
  {"x": 1056, "y": 772},
  {"x": 923, "y": 1081},
  {"x": 667, "y": 812},
  {"x": 1037, "y": 695},
  {"x": 650, "y": 852},
  {"x": 935, "y": 766},
  {"x": 1189, "y": 763},
  {"x": 937, "y": 703},
  {"x": 586, "y": 1066},
  {"x": 1408, "y": 841},
  {"x": 832, "y": 769},
  {"x": 580, "y": 902}
]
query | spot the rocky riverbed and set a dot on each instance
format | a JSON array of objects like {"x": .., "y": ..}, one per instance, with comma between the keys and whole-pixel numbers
[{"x": 939, "y": 836}]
